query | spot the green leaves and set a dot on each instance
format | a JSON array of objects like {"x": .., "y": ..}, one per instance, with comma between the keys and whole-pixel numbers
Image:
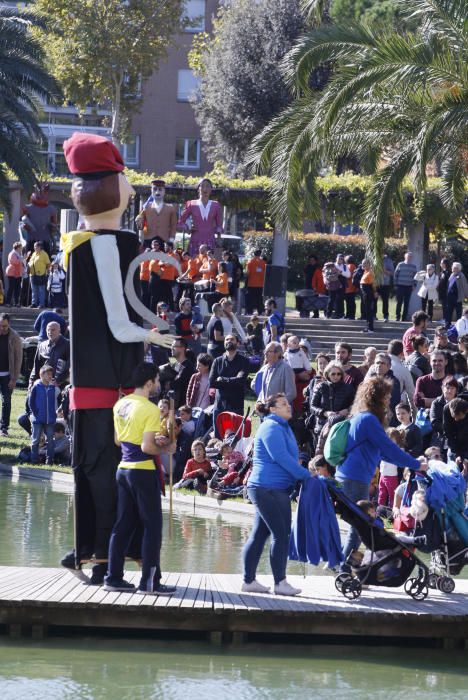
[
  {"x": 101, "y": 50},
  {"x": 23, "y": 79},
  {"x": 397, "y": 102}
]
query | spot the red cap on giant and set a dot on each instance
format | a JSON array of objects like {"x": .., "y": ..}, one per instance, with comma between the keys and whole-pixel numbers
[{"x": 90, "y": 153}]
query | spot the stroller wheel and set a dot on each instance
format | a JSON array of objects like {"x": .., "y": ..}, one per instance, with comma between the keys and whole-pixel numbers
[
  {"x": 421, "y": 593},
  {"x": 445, "y": 584},
  {"x": 351, "y": 588},
  {"x": 415, "y": 589},
  {"x": 339, "y": 581},
  {"x": 432, "y": 580}
]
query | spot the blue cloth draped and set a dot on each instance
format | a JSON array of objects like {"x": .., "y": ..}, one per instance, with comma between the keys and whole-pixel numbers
[
  {"x": 315, "y": 534},
  {"x": 447, "y": 491}
]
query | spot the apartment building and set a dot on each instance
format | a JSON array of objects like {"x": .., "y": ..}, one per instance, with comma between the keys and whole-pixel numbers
[{"x": 165, "y": 136}]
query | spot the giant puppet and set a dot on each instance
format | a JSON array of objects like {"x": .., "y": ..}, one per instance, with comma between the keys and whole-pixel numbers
[
  {"x": 207, "y": 218},
  {"x": 157, "y": 220},
  {"x": 105, "y": 334},
  {"x": 39, "y": 220}
]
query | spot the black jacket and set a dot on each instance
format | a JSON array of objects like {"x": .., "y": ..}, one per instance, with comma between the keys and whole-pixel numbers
[
  {"x": 436, "y": 414},
  {"x": 456, "y": 433},
  {"x": 329, "y": 396},
  {"x": 413, "y": 440},
  {"x": 57, "y": 355},
  {"x": 230, "y": 389}
]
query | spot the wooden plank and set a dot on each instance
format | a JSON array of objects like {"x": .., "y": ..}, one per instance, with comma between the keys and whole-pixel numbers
[
  {"x": 191, "y": 592},
  {"x": 175, "y": 601},
  {"x": 22, "y": 583},
  {"x": 43, "y": 590},
  {"x": 220, "y": 600}
]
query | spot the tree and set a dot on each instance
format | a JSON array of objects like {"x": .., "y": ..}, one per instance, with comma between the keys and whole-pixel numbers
[
  {"x": 399, "y": 102},
  {"x": 101, "y": 51},
  {"x": 24, "y": 79},
  {"x": 241, "y": 85}
]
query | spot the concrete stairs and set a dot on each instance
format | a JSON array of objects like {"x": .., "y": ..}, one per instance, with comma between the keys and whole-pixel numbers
[{"x": 321, "y": 333}]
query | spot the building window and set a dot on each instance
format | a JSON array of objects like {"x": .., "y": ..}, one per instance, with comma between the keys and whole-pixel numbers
[
  {"x": 187, "y": 154},
  {"x": 131, "y": 151},
  {"x": 187, "y": 84},
  {"x": 195, "y": 11}
]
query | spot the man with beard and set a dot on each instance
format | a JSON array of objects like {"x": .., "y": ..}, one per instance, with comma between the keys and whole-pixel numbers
[
  {"x": 157, "y": 220},
  {"x": 228, "y": 376}
]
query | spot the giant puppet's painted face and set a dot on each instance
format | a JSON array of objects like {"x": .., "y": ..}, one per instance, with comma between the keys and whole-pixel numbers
[
  {"x": 40, "y": 195},
  {"x": 98, "y": 199}
]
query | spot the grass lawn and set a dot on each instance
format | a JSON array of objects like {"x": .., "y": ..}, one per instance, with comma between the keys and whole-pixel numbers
[{"x": 17, "y": 437}]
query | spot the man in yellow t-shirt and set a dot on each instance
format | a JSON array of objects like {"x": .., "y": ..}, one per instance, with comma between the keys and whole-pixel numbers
[{"x": 136, "y": 423}]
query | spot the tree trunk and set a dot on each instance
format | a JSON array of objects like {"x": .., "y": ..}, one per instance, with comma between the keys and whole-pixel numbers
[
  {"x": 280, "y": 258},
  {"x": 11, "y": 224},
  {"x": 417, "y": 235},
  {"x": 115, "y": 130}
]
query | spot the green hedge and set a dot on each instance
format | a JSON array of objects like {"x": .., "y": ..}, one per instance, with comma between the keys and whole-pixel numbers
[{"x": 327, "y": 246}]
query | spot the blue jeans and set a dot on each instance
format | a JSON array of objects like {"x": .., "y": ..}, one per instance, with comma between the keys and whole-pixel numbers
[
  {"x": 138, "y": 508},
  {"x": 272, "y": 517},
  {"x": 38, "y": 294},
  {"x": 356, "y": 491},
  {"x": 37, "y": 430}
]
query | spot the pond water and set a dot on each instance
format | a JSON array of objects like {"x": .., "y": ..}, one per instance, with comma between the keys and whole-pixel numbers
[{"x": 36, "y": 528}]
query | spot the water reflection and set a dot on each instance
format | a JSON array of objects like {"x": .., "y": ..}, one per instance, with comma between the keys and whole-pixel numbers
[
  {"x": 72, "y": 669},
  {"x": 36, "y": 527}
]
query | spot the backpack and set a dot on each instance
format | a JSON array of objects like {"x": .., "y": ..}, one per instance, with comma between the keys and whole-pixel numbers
[
  {"x": 280, "y": 326},
  {"x": 335, "y": 445},
  {"x": 357, "y": 276},
  {"x": 331, "y": 277}
]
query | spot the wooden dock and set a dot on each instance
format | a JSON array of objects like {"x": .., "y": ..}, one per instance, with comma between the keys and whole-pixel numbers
[{"x": 35, "y": 601}]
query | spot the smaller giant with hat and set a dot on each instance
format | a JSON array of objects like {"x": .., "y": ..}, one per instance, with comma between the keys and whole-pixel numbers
[{"x": 157, "y": 220}]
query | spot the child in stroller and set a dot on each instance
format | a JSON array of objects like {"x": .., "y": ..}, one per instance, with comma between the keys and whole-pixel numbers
[
  {"x": 387, "y": 560},
  {"x": 232, "y": 464},
  {"x": 446, "y": 524}
]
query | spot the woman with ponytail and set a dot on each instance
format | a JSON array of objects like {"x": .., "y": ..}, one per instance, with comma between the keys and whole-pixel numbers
[{"x": 275, "y": 471}]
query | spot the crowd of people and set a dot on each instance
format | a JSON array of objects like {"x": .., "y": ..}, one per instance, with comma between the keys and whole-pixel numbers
[
  {"x": 405, "y": 405},
  {"x": 338, "y": 284}
]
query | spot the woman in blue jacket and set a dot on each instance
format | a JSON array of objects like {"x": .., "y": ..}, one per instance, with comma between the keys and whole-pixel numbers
[
  {"x": 367, "y": 445},
  {"x": 276, "y": 470}
]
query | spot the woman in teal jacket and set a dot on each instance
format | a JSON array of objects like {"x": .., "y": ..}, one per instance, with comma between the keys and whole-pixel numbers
[
  {"x": 367, "y": 445},
  {"x": 276, "y": 470}
]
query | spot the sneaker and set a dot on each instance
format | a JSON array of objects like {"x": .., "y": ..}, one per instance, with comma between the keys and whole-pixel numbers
[
  {"x": 285, "y": 588},
  {"x": 160, "y": 589},
  {"x": 386, "y": 319},
  {"x": 254, "y": 587},
  {"x": 115, "y": 585},
  {"x": 4, "y": 433},
  {"x": 98, "y": 573},
  {"x": 68, "y": 560},
  {"x": 365, "y": 330}
]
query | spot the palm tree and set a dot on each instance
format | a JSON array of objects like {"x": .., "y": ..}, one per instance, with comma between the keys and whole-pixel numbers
[
  {"x": 401, "y": 99},
  {"x": 23, "y": 81}
]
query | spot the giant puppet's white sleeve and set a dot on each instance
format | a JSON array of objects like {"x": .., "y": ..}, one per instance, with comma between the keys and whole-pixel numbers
[{"x": 106, "y": 257}]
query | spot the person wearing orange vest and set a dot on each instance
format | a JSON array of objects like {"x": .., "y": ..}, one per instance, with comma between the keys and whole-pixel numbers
[
  {"x": 256, "y": 268},
  {"x": 144, "y": 281},
  {"x": 167, "y": 277},
  {"x": 222, "y": 281},
  {"x": 209, "y": 267},
  {"x": 313, "y": 278}
]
